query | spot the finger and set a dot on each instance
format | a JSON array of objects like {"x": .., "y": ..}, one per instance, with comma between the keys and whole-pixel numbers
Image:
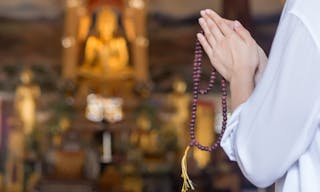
[
  {"x": 209, "y": 35},
  {"x": 210, "y": 52},
  {"x": 212, "y": 26},
  {"x": 218, "y": 35},
  {"x": 230, "y": 23},
  {"x": 242, "y": 32},
  {"x": 202, "y": 13},
  {"x": 205, "y": 44},
  {"x": 224, "y": 28}
]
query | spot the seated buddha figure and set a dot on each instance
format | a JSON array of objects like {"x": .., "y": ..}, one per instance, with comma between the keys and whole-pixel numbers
[{"x": 106, "y": 56}]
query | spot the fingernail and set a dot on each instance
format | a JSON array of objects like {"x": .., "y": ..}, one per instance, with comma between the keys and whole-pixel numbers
[
  {"x": 202, "y": 12},
  {"x": 201, "y": 20},
  {"x": 237, "y": 24}
]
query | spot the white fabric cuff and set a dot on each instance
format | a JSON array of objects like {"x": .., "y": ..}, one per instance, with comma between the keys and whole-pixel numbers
[{"x": 228, "y": 138}]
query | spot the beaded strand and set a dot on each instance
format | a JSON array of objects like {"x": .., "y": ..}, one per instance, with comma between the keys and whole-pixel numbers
[
  {"x": 198, "y": 54},
  {"x": 197, "y": 91}
]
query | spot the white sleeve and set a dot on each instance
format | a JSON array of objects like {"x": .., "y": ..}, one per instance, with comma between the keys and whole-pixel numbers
[{"x": 273, "y": 128}]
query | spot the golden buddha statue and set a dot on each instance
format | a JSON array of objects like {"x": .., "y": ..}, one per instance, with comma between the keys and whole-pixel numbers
[
  {"x": 105, "y": 67},
  {"x": 106, "y": 56},
  {"x": 25, "y": 103},
  {"x": 180, "y": 101}
]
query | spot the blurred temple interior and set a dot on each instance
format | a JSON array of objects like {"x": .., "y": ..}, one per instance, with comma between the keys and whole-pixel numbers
[{"x": 95, "y": 94}]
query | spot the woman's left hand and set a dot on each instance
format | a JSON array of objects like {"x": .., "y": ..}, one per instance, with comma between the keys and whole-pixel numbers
[{"x": 232, "y": 51}]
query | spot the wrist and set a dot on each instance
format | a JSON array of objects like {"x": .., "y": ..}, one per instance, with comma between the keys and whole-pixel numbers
[
  {"x": 242, "y": 76},
  {"x": 243, "y": 72},
  {"x": 241, "y": 89}
]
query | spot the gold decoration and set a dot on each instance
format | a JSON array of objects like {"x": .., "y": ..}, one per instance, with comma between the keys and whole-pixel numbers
[
  {"x": 138, "y": 4},
  {"x": 135, "y": 21},
  {"x": 76, "y": 27},
  {"x": 68, "y": 42}
]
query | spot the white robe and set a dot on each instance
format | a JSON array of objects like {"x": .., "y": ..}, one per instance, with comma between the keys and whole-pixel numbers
[{"x": 275, "y": 135}]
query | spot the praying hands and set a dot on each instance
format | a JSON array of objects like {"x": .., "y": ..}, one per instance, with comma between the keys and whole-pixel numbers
[{"x": 234, "y": 54}]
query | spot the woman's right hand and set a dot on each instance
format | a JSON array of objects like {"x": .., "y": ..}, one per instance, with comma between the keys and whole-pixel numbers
[
  {"x": 233, "y": 52},
  {"x": 225, "y": 51}
]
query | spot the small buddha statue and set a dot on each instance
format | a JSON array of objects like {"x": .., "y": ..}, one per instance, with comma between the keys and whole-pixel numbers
[
  {"x": 180, "y": 101},
  {"x": 106, "y": 56},
  {"x": 145, "y": 137},
  {"x": 64, "y": 126},
  {"x": 26, "y": 97}
]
